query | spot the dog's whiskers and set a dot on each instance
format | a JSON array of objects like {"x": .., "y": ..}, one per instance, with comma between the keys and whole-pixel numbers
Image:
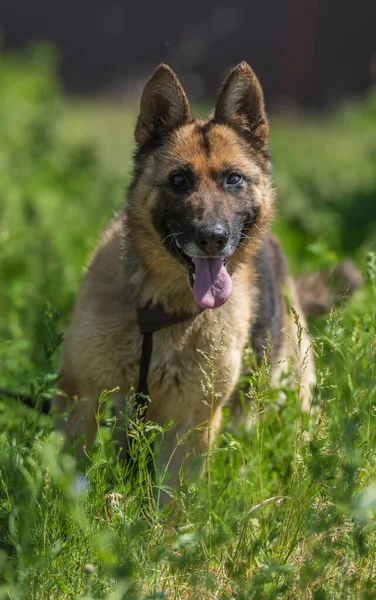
[
  {"x": 243, "y": 236},
  {"x": 173, "y": 223},
  {"x": 173, "y": 235}
]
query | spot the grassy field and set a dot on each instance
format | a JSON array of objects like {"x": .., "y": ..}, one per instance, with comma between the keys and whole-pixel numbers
[{"x": 285, "y": 510}]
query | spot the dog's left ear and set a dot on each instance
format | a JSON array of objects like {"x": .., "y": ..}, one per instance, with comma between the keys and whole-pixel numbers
[
  {"x": 163, "y": 107},
  {"x": 241, "y": 104}
]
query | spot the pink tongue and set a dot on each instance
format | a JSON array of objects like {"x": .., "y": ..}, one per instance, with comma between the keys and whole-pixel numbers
[{"x": 213, "y": 285}]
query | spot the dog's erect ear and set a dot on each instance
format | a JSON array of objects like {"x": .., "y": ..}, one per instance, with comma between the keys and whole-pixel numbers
[
  {"x": 163, "y": 107},
  {"x": 241, "y": 103}
]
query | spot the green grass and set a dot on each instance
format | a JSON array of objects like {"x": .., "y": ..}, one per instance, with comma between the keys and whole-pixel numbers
[{"x": 285, "y": 510}]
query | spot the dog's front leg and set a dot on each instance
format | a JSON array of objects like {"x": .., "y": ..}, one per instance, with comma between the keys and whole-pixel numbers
[
  {"x": 183, "y": 447},
  {"x": 77, "y": 421},
  {"x": 122, "y": 416}
]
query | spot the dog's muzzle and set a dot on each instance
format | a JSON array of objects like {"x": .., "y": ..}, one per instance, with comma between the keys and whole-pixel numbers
[{"x": 205, "y": 260}]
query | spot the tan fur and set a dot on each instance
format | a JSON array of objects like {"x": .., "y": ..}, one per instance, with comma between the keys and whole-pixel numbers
[{"x": 132, "y": 267}]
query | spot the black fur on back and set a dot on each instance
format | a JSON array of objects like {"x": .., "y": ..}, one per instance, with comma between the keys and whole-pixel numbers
[{"x": 271, "y": 271}]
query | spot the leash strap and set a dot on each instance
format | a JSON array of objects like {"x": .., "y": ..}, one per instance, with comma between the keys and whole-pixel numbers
[
  {"x": 150, "y": 319},
  {"x": 146, "y": 352}
]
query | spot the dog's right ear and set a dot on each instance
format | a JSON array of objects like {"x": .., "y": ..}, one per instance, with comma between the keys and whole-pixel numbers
[{"x": 163, "y": 107}]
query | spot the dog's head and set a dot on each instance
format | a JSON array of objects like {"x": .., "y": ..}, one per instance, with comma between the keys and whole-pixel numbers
[{"x": 202, "y": 189}]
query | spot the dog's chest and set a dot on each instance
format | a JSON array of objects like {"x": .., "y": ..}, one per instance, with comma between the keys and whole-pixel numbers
[{"x": 190, "y": 361}]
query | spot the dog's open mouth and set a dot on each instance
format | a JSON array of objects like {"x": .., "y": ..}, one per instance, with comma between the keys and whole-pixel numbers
[{"x": 209, "y": 279}]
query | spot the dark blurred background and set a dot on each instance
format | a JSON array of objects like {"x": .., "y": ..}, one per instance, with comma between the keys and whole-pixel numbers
[{"x": 306, "y": 52}]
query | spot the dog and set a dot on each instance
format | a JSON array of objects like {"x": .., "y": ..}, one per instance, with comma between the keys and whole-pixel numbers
[{"x": 193, "y": 239}]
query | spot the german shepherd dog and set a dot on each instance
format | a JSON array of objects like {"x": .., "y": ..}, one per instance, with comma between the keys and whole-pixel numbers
[{"x": 193, "y": 239}]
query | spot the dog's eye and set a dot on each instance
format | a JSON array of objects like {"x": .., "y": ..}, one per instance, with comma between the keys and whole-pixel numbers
[
  {"x": 177, "y": 180},
  {"x": 234, "y": 179}
]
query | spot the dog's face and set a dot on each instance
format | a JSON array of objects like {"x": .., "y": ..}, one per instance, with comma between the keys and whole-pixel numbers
[{"x": 204, "y": 186}]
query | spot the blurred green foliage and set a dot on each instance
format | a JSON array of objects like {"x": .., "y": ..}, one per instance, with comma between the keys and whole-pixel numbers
[
  {"x": 286, "y": 510},
  {"x": 53, "y": 201},
  {"x": 325, "y": 173}
]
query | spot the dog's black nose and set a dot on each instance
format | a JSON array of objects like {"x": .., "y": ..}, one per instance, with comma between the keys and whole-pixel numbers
[{"x": 212, "y": 240}]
